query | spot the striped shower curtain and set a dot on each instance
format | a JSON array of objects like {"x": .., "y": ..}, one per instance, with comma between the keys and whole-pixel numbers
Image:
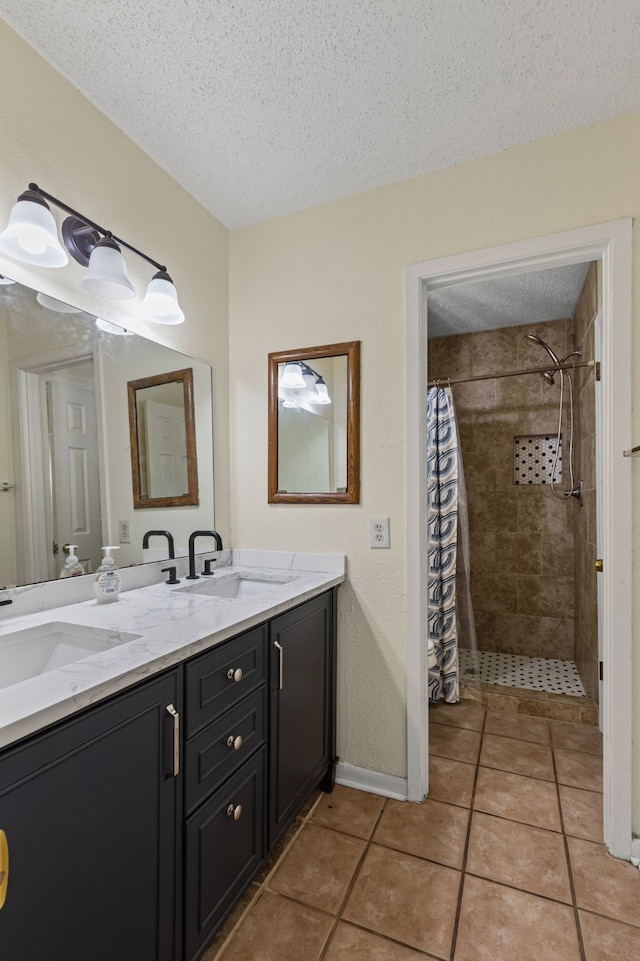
[{"x": 442, "y": 522}]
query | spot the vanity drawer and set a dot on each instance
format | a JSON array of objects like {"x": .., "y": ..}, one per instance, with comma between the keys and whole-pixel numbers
[
  {"x": 217, "y": 680},
  {"x": 219, "y": 750},
  {"x": 224, "y": 846}
]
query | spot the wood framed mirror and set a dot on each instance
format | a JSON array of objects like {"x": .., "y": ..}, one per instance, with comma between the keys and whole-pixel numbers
[
  {"x": 314, "y": 425},
  {"x": 164, "y": 466}
]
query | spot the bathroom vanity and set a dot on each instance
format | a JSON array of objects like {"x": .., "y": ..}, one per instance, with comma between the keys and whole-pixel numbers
[{"x": 135, "y": 823}]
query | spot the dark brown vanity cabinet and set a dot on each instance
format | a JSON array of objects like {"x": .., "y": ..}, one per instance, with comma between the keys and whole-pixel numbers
[
  {"x": 134, "y": 826},
  {"x": 89, "y": 810},
  {"x": 302, "y": 709},
  {"x": 224, "y": 833}
]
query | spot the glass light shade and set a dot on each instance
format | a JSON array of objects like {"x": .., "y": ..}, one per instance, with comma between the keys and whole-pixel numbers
[
  {"x": 110, "y": 328},
  {"x": 31, "y": 234},
  {"x": 323, "y": 393},
  {"x": 106, "y": 274},
  {"x": 290, "y": 404},
  {"x": 292, "y": 377},
  {"x": 160, "y": 304}
]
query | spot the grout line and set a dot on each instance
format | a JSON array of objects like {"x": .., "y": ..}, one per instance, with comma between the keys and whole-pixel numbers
[
  {"x": 463, "y": 867},
  {"x": 572, "y": 888}
]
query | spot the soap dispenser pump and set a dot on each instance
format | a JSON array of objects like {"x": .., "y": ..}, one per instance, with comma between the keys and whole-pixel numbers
[
  {"x": 107, "y": 579},
  {"x": 72, "y": 567}
]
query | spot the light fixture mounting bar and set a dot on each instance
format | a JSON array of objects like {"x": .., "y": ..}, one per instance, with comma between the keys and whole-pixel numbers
[{"x": 92, "y": 223}]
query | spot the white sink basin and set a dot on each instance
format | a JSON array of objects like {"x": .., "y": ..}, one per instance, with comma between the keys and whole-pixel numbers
[
  {"x": 240, "y": 586},
  {"x": 36, "y": 650}
]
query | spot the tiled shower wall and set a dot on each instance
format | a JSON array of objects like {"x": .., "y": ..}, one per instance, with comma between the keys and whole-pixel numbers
[
  {"x": 522, "y": 537},
  {"x": 586, "y": 612}
]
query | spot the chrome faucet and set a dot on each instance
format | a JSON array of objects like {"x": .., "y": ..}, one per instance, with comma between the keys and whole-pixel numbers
[
  {"x": 172, "y": 550},
  {"x": 192, "y": 576}
]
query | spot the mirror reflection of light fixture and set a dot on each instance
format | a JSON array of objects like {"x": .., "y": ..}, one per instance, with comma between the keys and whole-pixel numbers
[
  {"x": 323, "y": 393},
  {"x": 31, "y": 236},
  {"x": 292, "y": 377},
  {"x": 59, "y": 306},
  {"x": 5, "y": 281},
  {"x": 110, "y": 328}
]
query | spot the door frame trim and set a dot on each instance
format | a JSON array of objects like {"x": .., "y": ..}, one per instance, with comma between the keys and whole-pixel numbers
[{"x": 611, "y": 244}]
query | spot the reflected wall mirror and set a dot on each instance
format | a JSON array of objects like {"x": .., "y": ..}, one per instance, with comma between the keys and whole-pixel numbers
[
  {"x": 314, "y": 425},
  {"x": 164, "y": 467},
  {"x": 65, "y": 462}
]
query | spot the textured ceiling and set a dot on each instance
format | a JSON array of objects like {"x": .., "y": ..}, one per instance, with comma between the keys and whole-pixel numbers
[
  {"x": 263, "y": 107},
  {"x": 505, "y": 302}
]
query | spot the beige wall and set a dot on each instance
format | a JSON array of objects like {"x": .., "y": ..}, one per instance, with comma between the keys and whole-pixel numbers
[
  {"x": 336, "y": 272},
  {"x": 521, "y": 535},
  {"x": 52, "y": 135}
]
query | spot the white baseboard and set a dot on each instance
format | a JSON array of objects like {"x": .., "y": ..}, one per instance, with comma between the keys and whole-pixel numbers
[
  {"x": 635, "y": 849},
  {"x": 372, "y": 781}
]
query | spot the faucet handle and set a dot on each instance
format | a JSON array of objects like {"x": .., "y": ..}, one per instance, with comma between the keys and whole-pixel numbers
[
  {"x": 171, "y": 571},
  {"x": 206, "y": 570}
]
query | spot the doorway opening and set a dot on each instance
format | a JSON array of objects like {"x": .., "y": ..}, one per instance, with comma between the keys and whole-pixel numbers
[{"x": 609, "y": 244}]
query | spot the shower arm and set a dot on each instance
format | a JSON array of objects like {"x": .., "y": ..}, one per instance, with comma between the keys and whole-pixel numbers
[{"x": 492, "y": 375}]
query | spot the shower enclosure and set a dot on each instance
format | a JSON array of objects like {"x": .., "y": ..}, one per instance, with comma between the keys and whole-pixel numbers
[{"x": 528, "y": 473}]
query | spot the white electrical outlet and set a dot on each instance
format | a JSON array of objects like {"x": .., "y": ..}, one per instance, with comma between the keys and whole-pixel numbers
[
  {"x": 123, "y": 528},
  {"x": 379, "y": 531}
]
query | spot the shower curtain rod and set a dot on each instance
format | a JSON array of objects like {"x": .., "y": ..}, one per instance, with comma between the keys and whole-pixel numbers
[{"x": 446, "y": 381}]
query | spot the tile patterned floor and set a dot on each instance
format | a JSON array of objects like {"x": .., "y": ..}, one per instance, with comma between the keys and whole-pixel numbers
[
  {"x": 527, "y": 673},
  {"x": 503, "y": 862}
]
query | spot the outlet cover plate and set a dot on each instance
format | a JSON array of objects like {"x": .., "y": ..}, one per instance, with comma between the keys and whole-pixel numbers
[
  {"x": 123, "y": 530},
  {"x": 379, "y": 532}
]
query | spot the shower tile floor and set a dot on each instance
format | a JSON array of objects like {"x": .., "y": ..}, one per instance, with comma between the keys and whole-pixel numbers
[{"x": 517, "y": 670}]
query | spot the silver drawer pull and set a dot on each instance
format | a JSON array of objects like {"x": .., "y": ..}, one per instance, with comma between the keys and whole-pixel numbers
[
  {"x": 170, "y": 709},
  {"x": 235, "y": 675},
  {"x": 279, "y": 648},
  {"x": 234, "y": 742},
  {"x": 234, "y": 812}
]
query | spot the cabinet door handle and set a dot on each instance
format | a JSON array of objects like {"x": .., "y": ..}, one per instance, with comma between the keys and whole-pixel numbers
[
  {"x": 280, "y": 651},
  {"x": 235, "y": 675},
  {"x": 234, "y": 812},
  {"x": 170, "y": 709},
  {"x": 234, "y": 742},
  {"x": 4, "y": 868}
]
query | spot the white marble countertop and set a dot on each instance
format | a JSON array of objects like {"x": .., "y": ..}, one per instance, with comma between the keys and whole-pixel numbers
[{"x": 173, "y": 625}]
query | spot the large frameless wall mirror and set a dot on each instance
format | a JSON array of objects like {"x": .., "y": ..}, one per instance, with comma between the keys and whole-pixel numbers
[
  {"x": 164, "y": 464},
  {"x": 65, "y": 462},
  {"x": 314, "y": 425}
]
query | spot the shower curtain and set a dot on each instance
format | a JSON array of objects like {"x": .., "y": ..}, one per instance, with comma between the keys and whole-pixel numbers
[{"x": 450, "y": 612}]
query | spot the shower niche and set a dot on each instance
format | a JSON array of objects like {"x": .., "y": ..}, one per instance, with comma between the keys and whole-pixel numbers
[{"x": 537, "y": 459}]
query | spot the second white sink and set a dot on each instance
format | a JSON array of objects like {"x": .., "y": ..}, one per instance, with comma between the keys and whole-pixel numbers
[
  {"x": 46, "y": 647},
  {"x": 241, "y": 586}
]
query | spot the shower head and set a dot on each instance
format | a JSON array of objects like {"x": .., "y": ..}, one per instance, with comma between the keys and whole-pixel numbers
[
  {"x": 538, "y": 340},
  {"x": 547, "y": 375}
]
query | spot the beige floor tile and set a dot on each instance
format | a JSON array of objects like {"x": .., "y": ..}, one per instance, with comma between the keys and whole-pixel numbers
[
  {"x": 469, "y": 716},
  {"x": 431, "y": 830},
  {"x": 519, "y": 726},
  {"x": 501, "y": 924},
  {"x": 606, "y": 940},
  {"x": 348, "y": 810},
  {"x": 604, "y": 884},
  {"x": 354, "y": 944},
  {"x": 518, "y": 798},
  {"x": 407, "y": 899},
  {"x": 578, "y": 769},
  {"x": 519, "y": 855},
  {"x": 318, "y": 867},
  {"x": 451, "y": 781},
  {"x": 582, "y": 813},
  {"x": 229, "y": 923},
  {"x": 277, "y": 929},
  {"x": 454, "y": 742},
  {"x": 576, "y": 737},
  {"x": 518, "y": 757}
]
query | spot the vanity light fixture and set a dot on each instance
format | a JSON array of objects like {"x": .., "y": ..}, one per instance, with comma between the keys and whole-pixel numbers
[
  {"x": 297, "y": 376},
  {"x": 323, "y": 393},
  {"x": 292, "y": 377},
  {"x": 110, "y": 328},
  {"x": 58, "y": 306},
  {"x": 31, "y": 236},
  {"x": 5, "y": 281}
]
